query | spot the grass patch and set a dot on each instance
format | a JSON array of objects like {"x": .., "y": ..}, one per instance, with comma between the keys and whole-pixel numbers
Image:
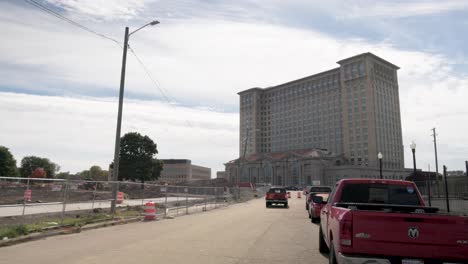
[
  {"x": 21, "y": 230},
  {"x": 13, "y": 231},
  {"x": 127, "y": 214},
  {"x": 77, "y": 221},
  {"x": 81, "y": 221}
]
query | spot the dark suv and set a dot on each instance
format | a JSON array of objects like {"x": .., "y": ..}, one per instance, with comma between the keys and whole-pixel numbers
[{"x": 276, "y": 196}]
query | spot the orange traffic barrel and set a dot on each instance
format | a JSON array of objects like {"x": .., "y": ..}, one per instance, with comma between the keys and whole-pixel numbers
[
  {"x": 150, "y": 211},
  {"x": 120, "y": 197},
  {"x": 298, "y": 194},
  {"x": 27, "y": 195}
]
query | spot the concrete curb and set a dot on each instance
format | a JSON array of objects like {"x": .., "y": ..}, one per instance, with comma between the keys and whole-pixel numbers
[{"x": 64, "y": 231}]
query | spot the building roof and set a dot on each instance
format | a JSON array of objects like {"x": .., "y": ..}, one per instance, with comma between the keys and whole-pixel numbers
[
  {"x": 371, "y": 55},
  {"x": 320, "y": 73},
  {"x": 176, "y": 161},
  {"x": 250, "y": 90},
  {"x": 288, "y": 83}
]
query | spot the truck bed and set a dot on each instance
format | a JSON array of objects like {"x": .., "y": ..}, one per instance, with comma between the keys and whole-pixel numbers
[{"x": 407, "y": 232}]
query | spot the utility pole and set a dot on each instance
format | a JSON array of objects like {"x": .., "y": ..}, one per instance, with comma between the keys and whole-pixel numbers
[
  {"x": 240, "y": 165},
  {"x": 115, "y": 170},
  {"x": 436, "y": 161}
]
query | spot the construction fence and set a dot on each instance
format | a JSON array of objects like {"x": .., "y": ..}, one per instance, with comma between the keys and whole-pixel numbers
[{"x": 29, "y": 200}]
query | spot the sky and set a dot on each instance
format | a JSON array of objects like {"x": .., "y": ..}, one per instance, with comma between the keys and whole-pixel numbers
[{"x": 59, "y": 83}]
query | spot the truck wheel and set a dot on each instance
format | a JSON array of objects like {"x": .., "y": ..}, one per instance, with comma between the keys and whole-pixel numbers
[
  {"x": 307, "y": 207},
  {"x": 332, "y": 256},
  {"x": 286, "y": 205},
  {"x": 322, "y": 245},
  {"x": 309, "y": 215},
  {"x": 267, "y": 205}
]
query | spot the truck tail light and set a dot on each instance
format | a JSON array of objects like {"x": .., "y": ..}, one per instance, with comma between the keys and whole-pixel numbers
[{"x": 346, "y": 232}]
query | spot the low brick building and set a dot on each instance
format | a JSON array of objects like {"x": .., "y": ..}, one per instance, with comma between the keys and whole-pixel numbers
[{"x": 182, "y": 170}]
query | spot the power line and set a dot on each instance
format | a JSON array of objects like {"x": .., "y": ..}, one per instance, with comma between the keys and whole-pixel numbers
[
  {"x": 47, "y": 10},
  {"x": 166, "y": 97},
  {"x": 148, "y": 74},
  {"x": 74, "y": 23}
]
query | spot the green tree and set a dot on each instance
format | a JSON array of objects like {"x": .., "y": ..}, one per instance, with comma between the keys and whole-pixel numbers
[
  {"x": 63, "y": 175},
  {"x": 7, "y": 163},
  {"x": 137, "y": 158},
  {"x": 30, "y": 163},
  {"x": 95, "y": 173},
  {"x": 157, "y": 168}
]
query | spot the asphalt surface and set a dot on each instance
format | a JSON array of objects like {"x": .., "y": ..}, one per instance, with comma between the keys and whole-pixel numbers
[
  {"x": 241, "y": 233},
  {"x": 37, "y": 208}
]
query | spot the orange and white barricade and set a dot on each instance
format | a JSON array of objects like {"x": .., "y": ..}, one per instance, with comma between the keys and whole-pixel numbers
[
  {"x": 27, "y": 195},
  {"x": 298, "y": 194},
  {"x": 120, "y": 197},
  {"x": 150, "y": 211}
]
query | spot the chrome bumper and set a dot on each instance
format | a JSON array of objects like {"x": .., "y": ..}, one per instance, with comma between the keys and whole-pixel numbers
[{"x": 342, "y": 259}]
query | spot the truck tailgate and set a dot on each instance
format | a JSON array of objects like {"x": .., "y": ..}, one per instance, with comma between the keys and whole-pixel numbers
[
  {"x": 276, "y": 196},
  {"x": 410, "y": 235}
]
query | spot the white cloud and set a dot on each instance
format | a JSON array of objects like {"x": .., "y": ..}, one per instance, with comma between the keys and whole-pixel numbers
[
  {"x": 79, "y": 132},
  {"x": 103, "y": 9},
  {"x": 392, "y": 9},
  {"x": 205, "y": 62}
]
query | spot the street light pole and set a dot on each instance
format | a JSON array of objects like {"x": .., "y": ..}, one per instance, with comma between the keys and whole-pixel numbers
[
  {"x": 413, "y": 149},
  {"x": 380, "y": 156},
  {"x": 115, "y": 169}
]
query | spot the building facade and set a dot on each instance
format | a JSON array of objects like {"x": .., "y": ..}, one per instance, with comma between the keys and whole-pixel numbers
[
  {"x": 303, "y": 167},
  {"x": 352, "y": 110},
  {"x": 182, "y": 170},
  {"x": 220, "y": 175}
]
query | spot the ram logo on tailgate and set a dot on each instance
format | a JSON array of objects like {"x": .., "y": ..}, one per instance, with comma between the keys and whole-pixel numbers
[{"x": 413, "y": 232}]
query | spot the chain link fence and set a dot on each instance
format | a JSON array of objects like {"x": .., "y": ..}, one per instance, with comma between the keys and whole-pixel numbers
[{"x": 59, "y": 202}]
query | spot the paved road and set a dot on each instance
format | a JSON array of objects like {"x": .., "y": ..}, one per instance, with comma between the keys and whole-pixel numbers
[
  {"x": 242, "y": 233},
  {"x": 57, "y": 207}
]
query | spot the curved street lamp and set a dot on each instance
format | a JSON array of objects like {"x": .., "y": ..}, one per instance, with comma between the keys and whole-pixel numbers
[
  {"x": 115, "y": 169},
  {"x": 380, "y": 156}
]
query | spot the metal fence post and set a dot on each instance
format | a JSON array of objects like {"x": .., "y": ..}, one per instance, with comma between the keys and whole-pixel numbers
[
  {"x": 94, "y": 195},
  {"x": 24, "y": 198},
  {"x": 177, "y": 203},
  {"x": 186, "y": 200},
  {"x": 65, "y": 195},
  {"x": 116, "y": 185},
  {"x": 165, "y": 203},
  {"x": 446, "y": 189},
  {"x": 215, "y": 197},
  {"x": 143, "y": 194},
  {"x": 205, "y": 194}
]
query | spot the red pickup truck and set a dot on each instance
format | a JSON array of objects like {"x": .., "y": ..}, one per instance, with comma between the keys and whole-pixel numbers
[
  {"x": 386, "y": 221},
  {"x": 276, "y": 195}
]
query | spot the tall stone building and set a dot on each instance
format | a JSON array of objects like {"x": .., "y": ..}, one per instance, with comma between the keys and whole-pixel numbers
[{"x": 352, "y": 111}]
